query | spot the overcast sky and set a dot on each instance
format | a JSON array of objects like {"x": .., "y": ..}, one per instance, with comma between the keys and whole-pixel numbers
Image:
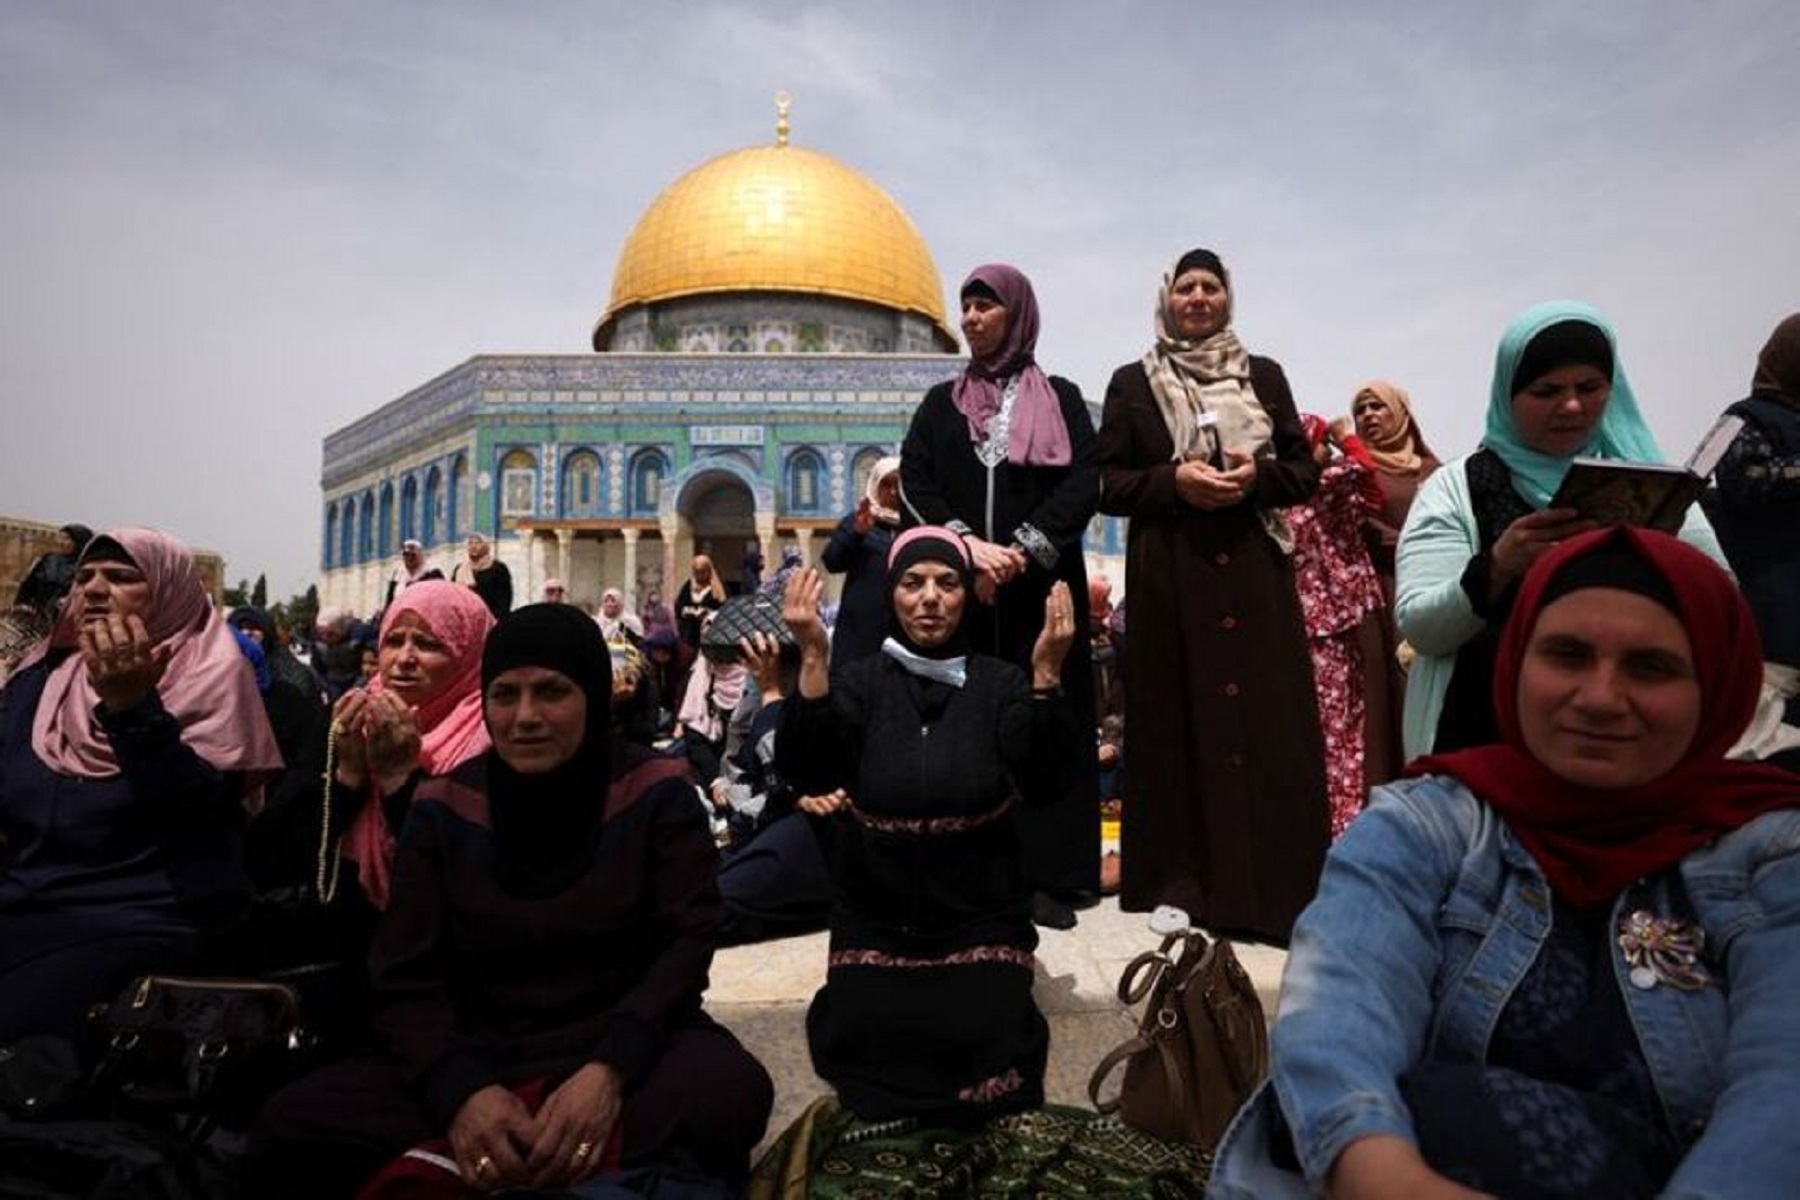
[{"x": 229, "y": 228}]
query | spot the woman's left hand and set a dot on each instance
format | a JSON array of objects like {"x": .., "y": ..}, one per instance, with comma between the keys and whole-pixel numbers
[
  {"x": 573, "y": 1125},
  {"x": 762, "y": 655},
  {"x": 1054, "y": 639},
  {"x": 123, "y": 663},
  {"x": 391, "y": 733}
]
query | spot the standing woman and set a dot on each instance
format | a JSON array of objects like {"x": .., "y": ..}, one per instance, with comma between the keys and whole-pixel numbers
[
  {"x": 1005, "y": 456},
  {"x": 700, "y": 597},
  {"x": 1558, "y": 392},
  {"x": 1759, "y": 497},
  {"x": 858, "y": 551},
  {"x": 490, "y": 577},
  {"x": 1201, "y": 447},
  {"x": 927, "y": 1009},
  {"x": 1383, "y": 416},
  {"x": 129, "y": 744}
]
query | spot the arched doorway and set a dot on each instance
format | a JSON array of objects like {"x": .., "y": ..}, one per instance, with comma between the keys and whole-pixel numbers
[{"x": 721, "y": 517}]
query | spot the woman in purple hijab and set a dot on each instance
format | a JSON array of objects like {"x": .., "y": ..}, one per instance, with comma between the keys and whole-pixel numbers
[{"x": 1005, "y": 455}]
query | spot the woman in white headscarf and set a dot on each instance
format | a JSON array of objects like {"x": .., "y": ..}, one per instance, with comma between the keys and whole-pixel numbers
[{"x": 858, "y": 551}]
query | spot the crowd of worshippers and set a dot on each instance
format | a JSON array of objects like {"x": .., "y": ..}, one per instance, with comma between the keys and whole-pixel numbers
[{"x": 1551, "y": 957}]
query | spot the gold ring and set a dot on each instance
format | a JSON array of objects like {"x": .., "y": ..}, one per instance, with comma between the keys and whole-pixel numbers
[
  {"x": 583, "y": 1149},
  {"x": 483, "y": 1165}
]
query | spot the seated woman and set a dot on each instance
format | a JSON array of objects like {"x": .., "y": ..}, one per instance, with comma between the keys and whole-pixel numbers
[
  {"x": 129, "y": 744},
  {"x": 543, "y": 930},
  {"x": 1562, "y": 965},
  {"x": 420, "y": 717},
  {"x": 927, "y": 1008},
  {"x": 1558, "y": 392}
]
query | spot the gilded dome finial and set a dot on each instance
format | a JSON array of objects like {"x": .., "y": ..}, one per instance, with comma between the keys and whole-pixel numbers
[{"x": 782, "y": 103}]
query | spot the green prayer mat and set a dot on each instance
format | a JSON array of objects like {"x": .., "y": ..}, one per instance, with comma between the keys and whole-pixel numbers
[{"x": 1054, "y": 1151}]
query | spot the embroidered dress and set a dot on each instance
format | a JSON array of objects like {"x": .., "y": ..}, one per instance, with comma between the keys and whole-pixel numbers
[
  {"x": 927, "y": 1009},
  {"x": 1339, "y": 592}
]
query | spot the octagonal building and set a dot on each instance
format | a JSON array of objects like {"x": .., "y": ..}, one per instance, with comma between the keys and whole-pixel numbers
[{"x": 774, "y": 319}]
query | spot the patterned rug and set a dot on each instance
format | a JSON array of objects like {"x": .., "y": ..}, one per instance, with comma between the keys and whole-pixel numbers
[{"x": 827, "y": 1154}]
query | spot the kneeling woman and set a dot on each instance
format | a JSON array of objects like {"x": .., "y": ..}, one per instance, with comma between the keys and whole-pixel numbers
[
  {"x": 1563, "y": 965},
  {"x": 927, "y": 1008},
  {"x": 545, "y": 935}
]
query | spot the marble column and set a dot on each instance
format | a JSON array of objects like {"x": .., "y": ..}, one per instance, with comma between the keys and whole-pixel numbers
[
  {"x": 565, "y": 538},
  {"x": 632, "y": 599}
]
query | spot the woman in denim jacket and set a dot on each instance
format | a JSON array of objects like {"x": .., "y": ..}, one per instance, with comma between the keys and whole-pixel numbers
[{"x": 1565, "y": 965}]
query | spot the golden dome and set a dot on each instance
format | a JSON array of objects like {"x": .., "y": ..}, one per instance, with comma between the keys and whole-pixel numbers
[{"x": 776, "y": 219}]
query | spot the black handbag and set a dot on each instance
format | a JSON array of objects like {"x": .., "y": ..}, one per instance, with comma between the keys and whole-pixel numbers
[
  {"x": 738, "y": 619},
  {"x": 207, "y": 1046}
]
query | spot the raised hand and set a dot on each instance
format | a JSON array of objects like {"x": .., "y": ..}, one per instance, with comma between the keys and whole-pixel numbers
[
  {"x": 1054, "y": 639},
  {"x": 123, "y": 663},
  {"x": 762, "y": 657},
  {"x": 800, "y": 609}
]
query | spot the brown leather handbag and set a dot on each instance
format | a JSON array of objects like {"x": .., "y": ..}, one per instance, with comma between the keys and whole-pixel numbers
[{"x": 1200, "y": 1049}]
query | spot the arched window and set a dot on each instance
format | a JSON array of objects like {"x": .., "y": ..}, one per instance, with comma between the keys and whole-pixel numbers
[
  {"x": 365, "y": 529},
  {"x": 456, "y": 504},
  {"x": 648, "y": 470},
  {"x": 434, "y": 505},
  {"x": 581, "y": 484},
  {"x": 331, "y": 532},
  {"x": 860, "y": 470},
  {"x": 805, "y": 479},
  {"x": 347, "y": 534},
  {"x": 518, "y": 484},
  {"x": 384, "y": 534},
  {"x": 409, "y": 508}
]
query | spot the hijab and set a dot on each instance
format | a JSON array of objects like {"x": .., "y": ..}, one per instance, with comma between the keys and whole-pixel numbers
[
  {"x": 253, "y": 654},
  {"x": 1778, "y": 366},
  {"x": 450, "y": 726},
  {"x": 207, "y": 686},
  {"x": 884, "y": 468},
  {"x": 547, "y": 824},
  {"x": 451, "y": 730},
  {"x": 946, "y": 663},
  {"x": 1403, "y": 451},
  {"x": 1204, "y": 393},
  {"x": 1203, "y": 389},
  {"x": 283, "y": 666},
  {"x": 713, "y": 585},
  {"x": 1038, "y": 435},
  {"x": 1593, "y": 842},
  {"x": 1621, "y": 433}
]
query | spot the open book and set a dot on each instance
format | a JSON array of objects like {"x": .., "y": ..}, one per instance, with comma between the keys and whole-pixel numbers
[{"x": 1651, "y": 495}]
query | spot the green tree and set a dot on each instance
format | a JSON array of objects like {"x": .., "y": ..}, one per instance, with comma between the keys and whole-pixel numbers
[{"x": 259, "y": 595}]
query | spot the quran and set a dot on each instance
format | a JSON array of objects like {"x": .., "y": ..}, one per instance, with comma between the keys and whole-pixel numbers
[{"x": 1650, "y": 495}]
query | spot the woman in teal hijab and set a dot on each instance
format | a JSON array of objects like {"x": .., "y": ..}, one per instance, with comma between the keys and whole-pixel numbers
[{"x": 1559, "y": 392}]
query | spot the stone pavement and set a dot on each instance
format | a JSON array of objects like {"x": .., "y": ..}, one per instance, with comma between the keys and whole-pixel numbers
[{"x": 761, "y": 993}]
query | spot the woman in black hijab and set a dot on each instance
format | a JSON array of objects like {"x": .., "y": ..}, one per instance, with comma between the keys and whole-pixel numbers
[
  {"x": 48, "y": 580},
  {"x": 538, "y": 975}
]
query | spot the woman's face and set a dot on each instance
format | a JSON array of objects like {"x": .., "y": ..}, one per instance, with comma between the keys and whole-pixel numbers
[
  {"x": 1199, "y": 304},
  {"x": 1608, "y": 697},
  {"x": 111, "y": 587},
  {"x": 65, "y": 545},
  {"x": 537, "y": 718},
  {"x": 415, "y": 664},
  {"x": 702, "y": 569},
  {"x": 928, "y": 601},
  {"x": 1375, "y": 417},
  {"x": 983, "y": 325},
  {"x": 611, "y": 604},
  {"x": 1557, "y": 412},
  {"x": 371, "y": 663},
  {"x": 887, "y": 492}
]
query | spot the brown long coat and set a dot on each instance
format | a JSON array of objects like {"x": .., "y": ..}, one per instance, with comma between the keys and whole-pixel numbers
[{"x": 1225, "y": 813}]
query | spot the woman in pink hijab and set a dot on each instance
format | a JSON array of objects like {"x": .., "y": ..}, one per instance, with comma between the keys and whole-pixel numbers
[
  {"x": 420, "y": 716},
  {"x": 131, "y": 744}
]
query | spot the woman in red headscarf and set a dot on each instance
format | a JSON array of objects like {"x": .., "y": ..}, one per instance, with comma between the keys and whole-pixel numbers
[
  {"x": 1005, "y": 456},
  {"x": 131, "y": 743},
  {"x": 1561, "y": 965}
]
